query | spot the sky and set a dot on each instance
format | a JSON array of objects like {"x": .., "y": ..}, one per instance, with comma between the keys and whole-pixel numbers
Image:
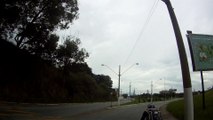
[{"x": 126, "y": 32}]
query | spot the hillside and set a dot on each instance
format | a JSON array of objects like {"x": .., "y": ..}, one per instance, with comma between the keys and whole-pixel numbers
[
  {"x": 177, "y": 107},
  {"x": 27, "y": 78}
]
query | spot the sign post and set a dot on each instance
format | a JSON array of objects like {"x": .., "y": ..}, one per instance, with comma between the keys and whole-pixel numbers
[
  {"x": 201, "y": 48},
  {"x": 203, "y": 91}
]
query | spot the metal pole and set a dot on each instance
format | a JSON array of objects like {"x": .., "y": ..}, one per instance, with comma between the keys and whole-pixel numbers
[
  {"x": 130, "y": 90},
  {"x": 203, "y": 91},
  {"x": 188, "y": 99},
  {"x": 164, "y": 90},
  {"x": 119, "y": 79},
  {"x": 151, "y": 92}
]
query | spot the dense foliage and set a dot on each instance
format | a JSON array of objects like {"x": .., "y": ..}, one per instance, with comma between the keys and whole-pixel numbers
[
  {"x": 33, "y": 67},
  {"x": 28, "y": 78},
  {"x": 30, "y": 23}
]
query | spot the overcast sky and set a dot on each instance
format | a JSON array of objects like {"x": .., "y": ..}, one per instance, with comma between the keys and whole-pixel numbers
[{"x": 125, "y": 32}]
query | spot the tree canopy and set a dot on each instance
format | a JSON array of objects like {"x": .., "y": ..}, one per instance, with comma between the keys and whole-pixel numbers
[
  {"x": 35, "y": 68},
  {"x": 70, "y": 52},
  {"x": 28, "y": 78},
  {"x": 30, "y": 23}
]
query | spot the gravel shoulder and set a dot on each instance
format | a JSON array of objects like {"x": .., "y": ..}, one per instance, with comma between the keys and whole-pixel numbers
[{"x": 165, "y": 114}]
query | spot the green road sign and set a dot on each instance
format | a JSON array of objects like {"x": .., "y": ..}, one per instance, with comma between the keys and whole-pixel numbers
[{"x": 201, "y": 48}]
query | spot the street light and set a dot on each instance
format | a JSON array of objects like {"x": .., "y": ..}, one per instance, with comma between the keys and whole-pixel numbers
[
  {"x": 152, "y": 89},
  {"x": 188, "y": 97},
  {"x": 119, "y": 76}
]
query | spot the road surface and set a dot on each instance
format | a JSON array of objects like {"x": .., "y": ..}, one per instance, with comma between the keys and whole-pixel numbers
[{"x": 66, "y": 111}]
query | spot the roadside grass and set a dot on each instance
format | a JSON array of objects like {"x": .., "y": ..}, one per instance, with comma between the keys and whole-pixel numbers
[
  {"x": 137, "y": 100},
  {"x": 176, "y": 108},
  {"x": 131, "y": 102}
]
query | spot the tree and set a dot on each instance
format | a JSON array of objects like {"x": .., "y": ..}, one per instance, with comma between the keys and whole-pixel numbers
[
  {"x": 81, "y": 67},
  {"x": 48, "y": 52},
  {"x": 172, "y": 92},
  {"x": 105, "y": 85},
  {"x": 70, "y": 53},
  {"x": 30, "y": 23}
]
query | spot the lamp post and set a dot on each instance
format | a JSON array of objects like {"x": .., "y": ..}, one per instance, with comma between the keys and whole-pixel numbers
[
  {"x": 152, "y": 85},
  {"x": 188, "y": 98},
  {"x": 119, "y": 76},
  {"x": 164, "y": 88},
  {"x": 151, "y": 91}
]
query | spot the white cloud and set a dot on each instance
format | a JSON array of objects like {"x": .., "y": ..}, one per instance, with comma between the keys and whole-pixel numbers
[{"x": 109, "y": 29}]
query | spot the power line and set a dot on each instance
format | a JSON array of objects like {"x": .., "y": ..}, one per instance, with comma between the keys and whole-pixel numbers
[{"x": 152, "y": 10}]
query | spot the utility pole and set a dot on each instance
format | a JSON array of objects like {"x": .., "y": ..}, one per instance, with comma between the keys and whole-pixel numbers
[
  {"x": 119, "y": 80},
  {"x": 119, "y": 77},
  {"x": 151, "y": 91},
  {"x": 188, "y": 98},
  {"x": 164, "y": 90},
  {"x": 130, "y": 89}
]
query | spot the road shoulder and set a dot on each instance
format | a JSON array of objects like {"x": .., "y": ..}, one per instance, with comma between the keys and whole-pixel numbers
[{"x": 165, "y": 114}]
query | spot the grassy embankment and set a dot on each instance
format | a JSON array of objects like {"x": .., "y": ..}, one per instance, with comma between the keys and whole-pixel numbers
[{"x": 177, "y": 107}]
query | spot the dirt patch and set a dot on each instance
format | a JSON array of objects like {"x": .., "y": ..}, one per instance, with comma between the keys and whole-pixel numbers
[{"x": 165, "y": 114}]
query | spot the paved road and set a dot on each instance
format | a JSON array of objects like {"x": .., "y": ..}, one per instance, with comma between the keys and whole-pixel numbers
[
  {"x": 130, "y": 112},
  {"x": 93, "y": 111}
]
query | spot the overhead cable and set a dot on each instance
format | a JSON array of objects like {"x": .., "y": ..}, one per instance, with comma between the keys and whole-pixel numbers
[{"x": 152, "y": 10}]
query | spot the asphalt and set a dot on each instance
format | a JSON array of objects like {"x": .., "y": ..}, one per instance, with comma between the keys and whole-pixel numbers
[{"x": 6, "y": 111}]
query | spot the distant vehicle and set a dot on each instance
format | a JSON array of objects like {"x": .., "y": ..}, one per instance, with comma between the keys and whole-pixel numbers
[{"x": 151, "y": 113}]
